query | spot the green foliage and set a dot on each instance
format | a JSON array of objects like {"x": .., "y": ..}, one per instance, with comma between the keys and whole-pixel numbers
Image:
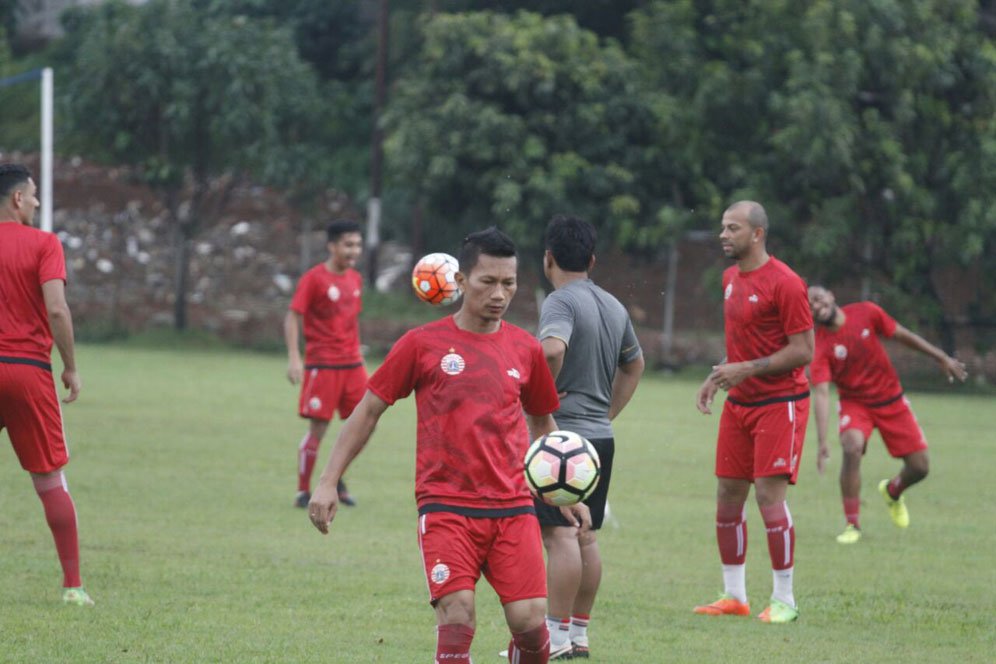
[
  {"x": 508, "y": 119},
  {"x": 183, "y": 472}
]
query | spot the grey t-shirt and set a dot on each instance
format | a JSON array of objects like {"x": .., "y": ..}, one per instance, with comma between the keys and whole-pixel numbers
[{"x": 599, "y": 337}]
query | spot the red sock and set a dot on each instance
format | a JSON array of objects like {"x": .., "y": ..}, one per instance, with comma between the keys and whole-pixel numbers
[
  {"x": 852, "y": 508},
  {"x": 896, "y": 487},
  {"x": 781, "y": 535},
  {"x": 731, "y": 533},
  {"x": 532, "y": 647},
  {"x": 453, "y": 643},
  {"x": 307, "y": 453},
  {"x": 61, "y": 516}
]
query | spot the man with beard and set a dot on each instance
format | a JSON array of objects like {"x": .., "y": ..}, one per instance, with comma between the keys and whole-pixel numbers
[
  {"x": 769, "y": 340},
  {"x": 849, "y": 352}
]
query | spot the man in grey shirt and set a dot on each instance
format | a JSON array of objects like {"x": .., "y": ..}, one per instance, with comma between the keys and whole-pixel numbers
[{"x": 593, "y": 353}]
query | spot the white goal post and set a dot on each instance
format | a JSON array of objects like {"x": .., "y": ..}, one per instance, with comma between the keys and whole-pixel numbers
[{"x": 45, "y": 180}]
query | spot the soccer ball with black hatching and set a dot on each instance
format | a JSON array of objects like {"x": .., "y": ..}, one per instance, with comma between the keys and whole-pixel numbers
[
  {"x": 434, "y": 279},
  {"x": 562, "y": 468}
]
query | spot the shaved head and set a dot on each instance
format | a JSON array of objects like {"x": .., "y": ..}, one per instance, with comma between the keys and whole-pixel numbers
[{"x": 753, "y": 212}]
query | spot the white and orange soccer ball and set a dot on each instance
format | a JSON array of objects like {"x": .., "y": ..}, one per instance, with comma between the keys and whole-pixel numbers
[
  {"x": 562, "y": 468},
  {"x": 434, "y": 279}
]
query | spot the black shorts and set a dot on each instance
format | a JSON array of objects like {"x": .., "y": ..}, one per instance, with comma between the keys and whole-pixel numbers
[{"x": 549, "y": 515}]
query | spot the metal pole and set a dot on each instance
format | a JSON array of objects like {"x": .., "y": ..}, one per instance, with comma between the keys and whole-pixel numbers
[{"x": 47, "y": 181}]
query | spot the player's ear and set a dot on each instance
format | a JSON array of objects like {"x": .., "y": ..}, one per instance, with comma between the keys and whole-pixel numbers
[{"x": 591, "y": 263}]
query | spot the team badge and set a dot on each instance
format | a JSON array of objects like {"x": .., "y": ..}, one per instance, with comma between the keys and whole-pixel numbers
[
  {"x": 334, "y": 293},
  {"x": 840, "y": 351},
  {"x": 452, "y": 364},
  {"x": 844, "y": 421},
  {"x": 729, "y": 291},
  {"x": 439, "y": 573},
  {"x": 315, "y": 403},
  {"x": 865, "y": 333}
]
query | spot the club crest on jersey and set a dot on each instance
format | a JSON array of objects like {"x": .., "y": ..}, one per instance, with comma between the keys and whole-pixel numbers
[
  {"x": 729, "y": 291},
  {"x": 840, "y": 351},
  {"x": 334, "y": 293},
  {"x": 844, "y": 421},
  {"x": 439, "y": 573},
  {"x": 452, "y": 364},
  {"x": 315, "y": 403}
]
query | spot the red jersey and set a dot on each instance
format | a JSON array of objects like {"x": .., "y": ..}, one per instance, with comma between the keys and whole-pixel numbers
[
  {"x": 470, "y": 392},
  {"x": 330, "y": 304},
  {"x": 28, "y": 258},
  {"x": 853, "y": 356},
  {"x": 761, "y": 309}
]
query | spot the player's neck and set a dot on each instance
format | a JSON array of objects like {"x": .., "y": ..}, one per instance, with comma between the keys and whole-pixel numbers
[
  {"x": 560, "y": 278},
  {"x": 333, "y": 268},
  {"x": 476, "y": 324},
  {"x": 753, "y": 260},
  {"x": 839, "y": 318}
]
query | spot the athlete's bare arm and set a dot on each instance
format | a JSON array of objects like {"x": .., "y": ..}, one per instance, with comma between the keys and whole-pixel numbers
[
  {"x": 798, "y": 352},
  {"x": 292, "y": 334},
  {"x": 624, "y": 385},
  {"x": 60, "y": 320},
  {"x": 353, "y": 437},
  {"x": 950, "y": 366},
  {"x": 706, "y": 394},
  {"x": 554, "y": 350},
  {"x": 821, "y": 409}
]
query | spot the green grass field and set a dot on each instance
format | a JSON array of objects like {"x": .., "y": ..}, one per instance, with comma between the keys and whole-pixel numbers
[{"x": 183, "y": 474}]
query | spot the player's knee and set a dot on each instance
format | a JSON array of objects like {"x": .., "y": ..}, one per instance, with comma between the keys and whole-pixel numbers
[
  {"x": 853, "y": 447},
  {"x": 532, "y": 640},
  {"x": 456, "y": 608},
  {"x": 918, "y": 464}
]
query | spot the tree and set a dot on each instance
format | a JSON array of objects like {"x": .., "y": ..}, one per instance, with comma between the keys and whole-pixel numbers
[
  {"x": 508, "y": 119},
  {"x": 194, "y": 99}
]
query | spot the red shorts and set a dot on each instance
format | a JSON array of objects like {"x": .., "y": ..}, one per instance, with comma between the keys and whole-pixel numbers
[
  {"x": 896, "y": 422},
  {"x": 29, "y": 408},
  {"x": 325, "y": 391},
  {"x": 508, "y": 550},
  {"x": 761, "y": 441}
]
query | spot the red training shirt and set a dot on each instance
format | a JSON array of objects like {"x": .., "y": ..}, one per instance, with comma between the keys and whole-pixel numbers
[
  {"x": 470, "y": 391},
  {"x": 761, "y": 309},
  {"x": 853, "y": 357},
  {"x": 28, "y": 258},
  {"x": 330, "y": 304}
]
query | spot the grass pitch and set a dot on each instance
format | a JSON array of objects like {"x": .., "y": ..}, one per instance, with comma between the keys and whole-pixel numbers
[{"x": 183, "y": 473}]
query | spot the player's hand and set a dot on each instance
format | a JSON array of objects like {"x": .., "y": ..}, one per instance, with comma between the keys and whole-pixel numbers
[
  {"x": 578, "y": 514},
  {"x": 728, "y": 376},
  {"x": 295, "y": 371},
  {"x": 703, "y": 400},
  {"x": 954, "y": 369},
  {"x": 822, "y": 456},
  {"x": 323, "y": 505},
  {"x": 71, "y": 380}
]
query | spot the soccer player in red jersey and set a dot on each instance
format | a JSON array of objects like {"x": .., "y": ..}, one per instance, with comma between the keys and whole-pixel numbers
[
  {"x": 769, "y": 340},
  {"x": 849, "y": 352},
  {"x": 34, "y": 312},
  {"x": 473, "y": 375},
  {"x": 327, "y": 306}
]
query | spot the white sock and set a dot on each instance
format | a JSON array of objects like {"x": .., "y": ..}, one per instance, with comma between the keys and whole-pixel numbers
[
  {"x": 783, "y": 586},
  {"x": 560, "y": 634},
  {"x": 735, "y": 581},
  {"x": 579, "y": 630}
]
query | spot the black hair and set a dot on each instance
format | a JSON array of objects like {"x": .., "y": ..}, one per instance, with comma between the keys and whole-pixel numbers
[
  {"x": 490, "y": 242},
  {"x": 571, "y": 240},
  {"x": 340, "y": 227},
  {"x": 12, "y": 176}
]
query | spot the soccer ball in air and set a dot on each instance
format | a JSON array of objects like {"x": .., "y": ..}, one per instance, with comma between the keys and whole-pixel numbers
[
  {"x": 562, "y": 468},
  {"x": 434, "y": 279}
]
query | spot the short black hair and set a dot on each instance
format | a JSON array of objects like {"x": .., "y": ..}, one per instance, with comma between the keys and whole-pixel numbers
[
  {"x": 490, "y": 242},
  {"x": 571, "y": 240},
  {"x": 12, "y": 176},
  {"x": 340, "y": 227}
]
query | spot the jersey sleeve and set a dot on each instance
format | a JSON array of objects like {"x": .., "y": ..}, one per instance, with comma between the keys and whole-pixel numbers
[
  {"x": 885, "y": 325},
  {"x": 630, "y": 349},
  {"x": 51, "y": 261},
  {"x": 539, "y": 394},
  {"x": 819, "y": 368},
  {"x": 793, "y": 304},
  {"x": 556, "y": 318},
  {"x": 396, "y": 377},
  {"x": 302, "y": 294}
]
